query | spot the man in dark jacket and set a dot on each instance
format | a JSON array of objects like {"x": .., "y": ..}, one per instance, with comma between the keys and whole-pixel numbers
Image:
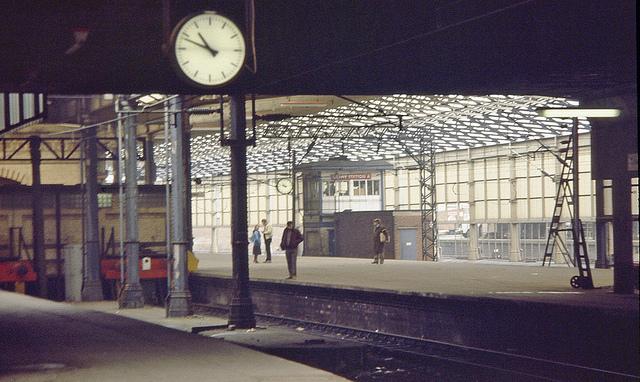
[
  {"x": 291, "y": 237},
  {"x": 380, "y": 237}
]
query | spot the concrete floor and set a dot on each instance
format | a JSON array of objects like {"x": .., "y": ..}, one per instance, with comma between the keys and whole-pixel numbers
[
  {"x": 45, "y": 341},
  {"x": 522, "y": 281},
  {"x": 42, "y": 340}
]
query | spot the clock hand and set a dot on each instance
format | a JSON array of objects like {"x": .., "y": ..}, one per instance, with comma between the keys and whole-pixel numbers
[
  {"x": 197, "y": 43},
  {"x": 210, "y": 49}
]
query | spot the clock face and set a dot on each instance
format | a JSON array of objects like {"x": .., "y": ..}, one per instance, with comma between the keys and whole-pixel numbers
[
  {"x": 208, "y": 49},
  {"x": 284, "y": 186}
]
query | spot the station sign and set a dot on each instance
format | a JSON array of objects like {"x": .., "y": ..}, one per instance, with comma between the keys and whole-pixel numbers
[{"x": 351, "y": 176}]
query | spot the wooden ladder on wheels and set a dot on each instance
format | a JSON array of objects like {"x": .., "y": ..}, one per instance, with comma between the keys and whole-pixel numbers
[{"x": 554, "y": 238}]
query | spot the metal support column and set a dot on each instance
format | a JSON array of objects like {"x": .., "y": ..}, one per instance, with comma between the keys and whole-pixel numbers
[
  {"x": 292, "y": 158},
  {"x": 241, "y": 307},
  {"x": 167, "y": 194},
  {"x": 623, "y": 273},
  {"x": 428, "y": 207},
  {"x": 186, "y": 151},
  {"x": 179, "y": 304},
  {"x": 92, "y": 286},
  {"x": 39, "y": 256},
  {"x": 294, "y": 188},
  {"x": 601, "y": 227},
  {"x": 514, "y": 248},
  {"x": 474, "y": 252},
  {"x": 149, "y": 163},
  {"x": 58, "y": 216},
  {"x": 131, "y": 295},
  {"x": 580, "y": 255}
]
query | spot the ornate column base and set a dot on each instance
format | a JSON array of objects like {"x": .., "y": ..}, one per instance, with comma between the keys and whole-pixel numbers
[
  {"x": 179, "y": 304},
  {"x": 131, "y": 297},
  {"x": 241, "y": 313},
  {"x": 92, "y": 291}
]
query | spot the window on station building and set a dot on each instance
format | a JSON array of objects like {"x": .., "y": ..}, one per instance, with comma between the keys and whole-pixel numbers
[
  {"x": 365, "y": 187},
  {"x": 375, "y": 187},
  {"x": 335, "y": 188},
  {"x": 329, "y": 188},
  {"x": 342, "y": 188},
  {"x": 359, "y": 187}
]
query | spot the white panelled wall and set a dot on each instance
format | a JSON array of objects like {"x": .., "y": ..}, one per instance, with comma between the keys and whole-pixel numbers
[{"x": 494, "y": 202}]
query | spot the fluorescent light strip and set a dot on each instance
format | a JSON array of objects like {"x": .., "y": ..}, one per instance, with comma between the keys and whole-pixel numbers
[{"x": 579, "y": 113}]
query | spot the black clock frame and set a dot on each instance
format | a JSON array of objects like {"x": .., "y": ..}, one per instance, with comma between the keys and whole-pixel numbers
[{"x": 174, "y": 60}]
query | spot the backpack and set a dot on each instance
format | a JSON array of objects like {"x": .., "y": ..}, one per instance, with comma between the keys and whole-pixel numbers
[{"x": 384, "y": 236}]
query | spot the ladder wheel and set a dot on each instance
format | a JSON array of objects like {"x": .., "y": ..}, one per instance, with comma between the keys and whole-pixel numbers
[{"x": 576, "y": 282}]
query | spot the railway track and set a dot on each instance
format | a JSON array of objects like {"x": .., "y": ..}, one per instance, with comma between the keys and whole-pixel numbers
[{"x": 458, "y": 362}]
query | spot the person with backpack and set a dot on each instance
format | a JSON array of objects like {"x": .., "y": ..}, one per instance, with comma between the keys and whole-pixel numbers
[{"x": 380, "y": 238}]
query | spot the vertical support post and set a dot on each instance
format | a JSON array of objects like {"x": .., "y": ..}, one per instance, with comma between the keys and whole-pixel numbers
[
  {"x": 514, "y": 250},
  {"x": 623, "y": 273},
  {"x": 294, "y": 188},
  {"x": 149, "y": 164},
  {"x": 179, "y": 304},
  {"x": 92, "y": 286},
  {"x": 473, "y": 226},
  {"x": 601, "y": 227},
  {"x": 292, "y": 158},
  {"x": 186, "y": 169},
  {"x": 117, "y": 160},
  {"x": 241, "y": 307},
  {"x": 58, "y": 215},
  {"x": 39, "y": 256},
  {"x": 426, "y": 230},
  {"x": 121, "y": 201},
  {"x": 131, "y": 295},
  {"x": 428, "y": 206},
  {"x": 167, "y": 193}
]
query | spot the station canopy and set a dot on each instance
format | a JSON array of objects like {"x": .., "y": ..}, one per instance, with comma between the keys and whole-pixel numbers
[{"x": 384, "y": 128}]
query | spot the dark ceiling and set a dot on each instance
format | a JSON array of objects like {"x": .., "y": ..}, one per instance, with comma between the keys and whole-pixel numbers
[{"x": 569, "y": 48}]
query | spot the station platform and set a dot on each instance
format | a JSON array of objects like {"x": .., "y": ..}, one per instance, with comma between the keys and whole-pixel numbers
[
  {"x": 527, "y": 282},
  {"x": 515, "y": 308},
  {"x": 42, "y": 340}
]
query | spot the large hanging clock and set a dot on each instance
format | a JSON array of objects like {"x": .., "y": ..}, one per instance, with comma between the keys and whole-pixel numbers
[{"x": 208, "y": 49}]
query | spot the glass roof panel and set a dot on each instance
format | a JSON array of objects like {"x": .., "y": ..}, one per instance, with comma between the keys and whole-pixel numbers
[{"x": 371, "y": 130}]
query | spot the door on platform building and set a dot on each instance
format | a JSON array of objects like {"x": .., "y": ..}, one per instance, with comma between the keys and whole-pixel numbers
[{"x": 408, "y": 238}]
